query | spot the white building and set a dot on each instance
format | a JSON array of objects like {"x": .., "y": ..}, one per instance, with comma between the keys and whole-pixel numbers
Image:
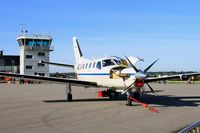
[{"x": 34, "y": 48}]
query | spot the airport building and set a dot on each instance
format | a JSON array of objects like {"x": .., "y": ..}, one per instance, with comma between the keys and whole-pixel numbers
[
  {"x": 9, "y": 63},
  {"x": 33, "y": 48}
]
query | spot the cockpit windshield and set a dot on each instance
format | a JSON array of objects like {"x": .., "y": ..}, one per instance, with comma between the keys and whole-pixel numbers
[
  {"x": 107, "y": 62},
  {"x": 114, "y": 61},
  {"x": 120, "y": 61}
]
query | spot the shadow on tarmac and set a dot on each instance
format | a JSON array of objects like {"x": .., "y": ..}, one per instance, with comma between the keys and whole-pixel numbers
[
  {"x": 166, "y": 101},
  {"x": 173, "y": 101}
]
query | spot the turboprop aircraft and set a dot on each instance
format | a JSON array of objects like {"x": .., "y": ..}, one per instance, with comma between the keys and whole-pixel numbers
[{"x": 113, "y": 73}]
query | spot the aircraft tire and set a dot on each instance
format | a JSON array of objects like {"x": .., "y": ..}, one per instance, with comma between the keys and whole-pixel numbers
[
  {"x": 128, "y": 102},
  {"x": 69, "y": 97}
]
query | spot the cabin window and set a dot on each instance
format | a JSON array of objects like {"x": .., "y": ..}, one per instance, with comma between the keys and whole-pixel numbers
[
  {"x": 83, "y": 66},
  {"x": 90, "y": 65},
  {"x": 78, "y": 67},
  {"x": 107, "y": 62},
  {"x": 86, "y": 66},
  {"x": 98, "y": 65},
  {"x": 94, "y": 64}
]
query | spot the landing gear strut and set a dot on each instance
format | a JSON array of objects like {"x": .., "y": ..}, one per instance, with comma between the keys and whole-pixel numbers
[
  {"x": 128, "y": 100},
  {"x": 69, "y": 93}
]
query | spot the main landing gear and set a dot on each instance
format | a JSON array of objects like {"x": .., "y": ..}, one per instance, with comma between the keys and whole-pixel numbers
[{"x": 69, "y": 93}]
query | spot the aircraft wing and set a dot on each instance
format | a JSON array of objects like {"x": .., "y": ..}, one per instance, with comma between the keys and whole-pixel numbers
[
  {"x": 56, "y": 64},
  {"x": 181, "y": 76},
  {"x": 50, "y": 79}
]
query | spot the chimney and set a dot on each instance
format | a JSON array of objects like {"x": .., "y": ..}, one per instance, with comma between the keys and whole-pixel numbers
[{"x": 1, "y": 53}]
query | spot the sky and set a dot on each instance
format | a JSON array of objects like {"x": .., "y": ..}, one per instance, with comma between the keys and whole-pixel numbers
[{"x": 151, "y": 29}]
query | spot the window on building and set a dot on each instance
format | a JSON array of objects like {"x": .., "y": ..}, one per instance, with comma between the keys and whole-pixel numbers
[
  {"x": 41, "y": 54},
  {"x": 2, "y": 62},
  {"x": 41, "y": 74},
  {"x": 41, "y": 64},
  {"x": 98, "y": 66},
  {"x": 29, "y": 67},
  {"x": 29, "y": 56}
]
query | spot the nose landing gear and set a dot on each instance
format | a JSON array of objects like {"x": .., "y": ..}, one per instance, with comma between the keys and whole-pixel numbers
[
  {"x": 129, "y": 93},
  {"x": 69, "y": 93}
]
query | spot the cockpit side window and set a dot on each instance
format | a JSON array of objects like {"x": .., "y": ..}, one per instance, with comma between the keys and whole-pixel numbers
[
  {"x": 98, "y": 66},
  {"x": 107, "y": 62}
]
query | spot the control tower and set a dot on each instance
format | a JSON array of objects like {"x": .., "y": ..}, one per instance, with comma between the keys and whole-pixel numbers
[{"x": 33, "y": 48}]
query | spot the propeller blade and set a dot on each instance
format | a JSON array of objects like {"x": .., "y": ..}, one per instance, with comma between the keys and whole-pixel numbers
[
  {"x": 150, "y": 66},
  {"x": 151, "y": 88},
  {"x": 132, "y": 65},
  {"x": 125, "y": 90}
]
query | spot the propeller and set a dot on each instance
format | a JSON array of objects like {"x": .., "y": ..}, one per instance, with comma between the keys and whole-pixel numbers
[
  {"x": 152, "y": 90},
  {"x": 134, "y": 67},
  {"x": 146, "y": 70},
  {"x": 127, "y": 88},
  {"x": 141, "y": 74}
]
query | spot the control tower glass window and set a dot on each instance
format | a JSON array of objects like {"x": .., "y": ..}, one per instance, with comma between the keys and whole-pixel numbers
[
  {"x": 37, "y": 42},
  {"x": 21, "y": 42}
]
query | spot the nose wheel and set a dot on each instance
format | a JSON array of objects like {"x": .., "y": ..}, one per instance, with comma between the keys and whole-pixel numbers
[
  {"x": 69, "y": 93},
  {"x": 129, "y": 93}
]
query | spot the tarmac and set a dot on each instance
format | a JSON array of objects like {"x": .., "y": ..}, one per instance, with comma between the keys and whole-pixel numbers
[{"x": 42, "y": 108}]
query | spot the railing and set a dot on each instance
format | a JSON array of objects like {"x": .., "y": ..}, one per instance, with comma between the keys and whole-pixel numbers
[
  {"x": 194, "y": 128},
  {"x": 36, "y": 48},
  {"x": 34, "y": 35}
]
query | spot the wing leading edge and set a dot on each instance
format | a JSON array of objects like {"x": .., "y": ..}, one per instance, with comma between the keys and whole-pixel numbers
[
  {"x": 147, "y": 80},
  {"x": 51, "y": 79},
  {"x": 56, "y": 64}
]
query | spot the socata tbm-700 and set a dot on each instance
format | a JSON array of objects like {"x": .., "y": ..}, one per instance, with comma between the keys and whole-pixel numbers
[{"x": 113, "y": 73}]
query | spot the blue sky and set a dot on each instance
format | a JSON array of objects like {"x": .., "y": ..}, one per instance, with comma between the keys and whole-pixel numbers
[{"x": 151, "y": 29}]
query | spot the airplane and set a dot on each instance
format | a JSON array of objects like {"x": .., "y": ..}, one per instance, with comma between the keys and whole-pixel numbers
[{"x": 117, "y": 75}]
